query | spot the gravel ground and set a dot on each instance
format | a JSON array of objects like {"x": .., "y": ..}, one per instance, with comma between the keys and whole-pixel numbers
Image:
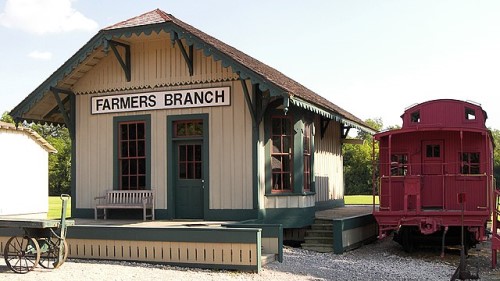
[{"x": 381, "y": 260}]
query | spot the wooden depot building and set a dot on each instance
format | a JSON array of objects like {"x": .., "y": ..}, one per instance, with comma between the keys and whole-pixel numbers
[{"x": 154, "y": 103}]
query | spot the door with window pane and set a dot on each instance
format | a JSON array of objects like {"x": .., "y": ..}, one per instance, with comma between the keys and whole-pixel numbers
[
  {"x": 432, "y": 174},
  {"x": 189, "y": 182}
]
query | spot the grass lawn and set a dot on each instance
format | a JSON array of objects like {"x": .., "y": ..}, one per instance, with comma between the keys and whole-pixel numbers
[
  {"x": 55, "y": 205},
  {"x": 359, "y": 199}
]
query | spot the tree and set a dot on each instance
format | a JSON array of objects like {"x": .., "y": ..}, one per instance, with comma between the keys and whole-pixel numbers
[
  {"x": 358, "y": 164},
  {"x": 7, "y": 118},
  {"x": 496, "y": 154}
]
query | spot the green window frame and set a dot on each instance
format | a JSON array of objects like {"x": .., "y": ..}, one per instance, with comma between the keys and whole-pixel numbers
[{"x": 132, "y": 152}]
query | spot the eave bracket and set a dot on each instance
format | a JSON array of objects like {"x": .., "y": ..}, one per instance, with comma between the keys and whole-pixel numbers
[
  {"x": 187, "y": 54},
  {"x": 124, "y": 62}
]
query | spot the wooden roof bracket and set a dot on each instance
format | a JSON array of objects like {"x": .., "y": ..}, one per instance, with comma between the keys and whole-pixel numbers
[
  {"x": 250, "y": 105},
  {"x": 324, "y": 126},
  {"x": 125, "y": 63},
  {"x": 188, "y": 57},
  {"x": 66, "y": 116},
  {"x": 345, "y": 130}
]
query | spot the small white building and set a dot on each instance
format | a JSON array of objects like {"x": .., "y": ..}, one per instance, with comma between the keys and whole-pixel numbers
[{"x": 24, "y": 176}]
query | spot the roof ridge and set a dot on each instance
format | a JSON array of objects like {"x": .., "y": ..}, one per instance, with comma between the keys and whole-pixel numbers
[{"x": 154, "y": 16}]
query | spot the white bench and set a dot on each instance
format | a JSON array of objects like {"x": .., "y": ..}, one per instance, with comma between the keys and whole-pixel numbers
[{"x": 127, "y": 199}]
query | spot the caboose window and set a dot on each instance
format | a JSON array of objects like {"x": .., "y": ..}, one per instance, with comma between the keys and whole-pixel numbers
[
  {"x": 470, "y": 114},
  {"x": 433, "y": 151},
  {"x": 399, "y": 164},
  {"x": 281, "y": 153},
  {"x": 469, "y": 163},
  {"x": 415, "y": 117}
]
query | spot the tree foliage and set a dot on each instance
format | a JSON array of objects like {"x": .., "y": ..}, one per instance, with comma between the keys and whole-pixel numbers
[
  {"x": 358, "y": 164},
  {"x": 60, "y": 162}
]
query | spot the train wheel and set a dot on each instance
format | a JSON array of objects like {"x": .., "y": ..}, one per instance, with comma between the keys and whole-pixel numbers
[
  {"x": 50, "y": 258},
  {"x": 406, "y": 239},
  {"x": 21, "y": 254}
]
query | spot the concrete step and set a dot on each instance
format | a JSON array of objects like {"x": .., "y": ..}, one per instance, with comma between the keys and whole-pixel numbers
[
  {"x": 322, "y": 248},
  {"x": 267, "y": 258},
  {"x": 318, "y": 233}
]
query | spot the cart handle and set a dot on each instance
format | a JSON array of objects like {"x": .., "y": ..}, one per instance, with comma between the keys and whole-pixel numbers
[{"x": 65, "y": 196}]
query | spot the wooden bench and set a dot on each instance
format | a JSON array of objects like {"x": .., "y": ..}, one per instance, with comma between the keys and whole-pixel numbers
[{"x": 126, "y": 199}]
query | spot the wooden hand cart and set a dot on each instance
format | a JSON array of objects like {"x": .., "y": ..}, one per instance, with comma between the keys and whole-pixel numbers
[{"x": 43, "y": 243}]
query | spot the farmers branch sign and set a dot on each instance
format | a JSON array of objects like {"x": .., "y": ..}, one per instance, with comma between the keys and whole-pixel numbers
[{"x": 161, "y": 100}]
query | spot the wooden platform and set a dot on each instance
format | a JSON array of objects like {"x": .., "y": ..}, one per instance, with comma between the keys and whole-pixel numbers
[{"x": 190, "y": 243}]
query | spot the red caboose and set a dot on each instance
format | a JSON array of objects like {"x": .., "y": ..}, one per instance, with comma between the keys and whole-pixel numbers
[{"x": 439, "y": 161}]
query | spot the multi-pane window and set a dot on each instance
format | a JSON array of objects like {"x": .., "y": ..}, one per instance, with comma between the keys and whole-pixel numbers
[
  {"x": 399, "y": 164},
  {"x": 469, "y": 163},
  {"x": 306, "y": 139},
  {"x": 281, "y": 153},
  {"x": 433, "y": 151},
  {"x": 132, "y": 155},
  {"x": 190, "y": 161}
]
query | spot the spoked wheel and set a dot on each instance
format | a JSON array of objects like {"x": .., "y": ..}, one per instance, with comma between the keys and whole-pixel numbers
[
  {"x": 50, "y": 258},
  {"x": 21, "y": 254}
]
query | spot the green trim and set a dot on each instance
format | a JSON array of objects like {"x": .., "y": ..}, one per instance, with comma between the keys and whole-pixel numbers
[
  {"x": 341, "y": 225},
  {"x": 290, "y": 217},
  {"x": 170, "y": 156},
  {"x": 298, "y": 154},
  {"x": 338, "y": 242},
  {"x": 173, "y": 234},
  {"x": 118, "y": 119},
  {"x": 73, "y": 134},
  {"x": 231, "y": 214},
  {"x": 268, "y": 231}
]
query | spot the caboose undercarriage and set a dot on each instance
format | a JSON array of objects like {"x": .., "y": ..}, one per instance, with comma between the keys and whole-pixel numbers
[{"x": 433, "y": 228}]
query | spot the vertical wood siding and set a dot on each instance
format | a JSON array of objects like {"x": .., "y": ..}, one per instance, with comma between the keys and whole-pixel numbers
[
  {"x": 155, "y": 63},
  {"x": 328, "y": 162}
]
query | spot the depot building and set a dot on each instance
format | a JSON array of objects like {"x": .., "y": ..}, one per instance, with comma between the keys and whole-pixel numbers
[{"x": 154, "y": 103}]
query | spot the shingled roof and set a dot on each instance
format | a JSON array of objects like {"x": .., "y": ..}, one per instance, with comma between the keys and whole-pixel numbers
[
  {"x": 248, "y": 67},
  {"x": 30, "y": 133}
]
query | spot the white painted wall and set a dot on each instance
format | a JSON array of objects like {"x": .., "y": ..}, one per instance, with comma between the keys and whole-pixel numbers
[{"x": 23, "y": 175}]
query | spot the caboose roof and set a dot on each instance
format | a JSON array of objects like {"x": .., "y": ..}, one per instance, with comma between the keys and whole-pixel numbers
[{"x": 158, "y": 21}]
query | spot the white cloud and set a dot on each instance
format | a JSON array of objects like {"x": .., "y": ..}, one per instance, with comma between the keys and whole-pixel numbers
[
  {"x": 44, "y": 16},
  {"x": 40, "y": 55}
]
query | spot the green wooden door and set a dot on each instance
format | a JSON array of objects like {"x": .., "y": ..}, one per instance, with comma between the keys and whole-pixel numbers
[{"x": 188, "y": 173}]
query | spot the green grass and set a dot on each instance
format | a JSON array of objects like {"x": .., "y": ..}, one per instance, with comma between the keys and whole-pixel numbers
[
  {"x": 55, "y": 205},
  {"x": 359, "y": 199}
]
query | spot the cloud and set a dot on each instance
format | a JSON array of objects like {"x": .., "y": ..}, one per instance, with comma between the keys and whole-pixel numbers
[
  {"x": 40, "y": 55},
  {"x": 45, "y": 16}
]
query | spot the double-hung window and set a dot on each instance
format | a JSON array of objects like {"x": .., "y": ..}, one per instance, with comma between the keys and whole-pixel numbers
[
  {"x": 281, "y": 153},
  {"x": 132, "y": 155}
]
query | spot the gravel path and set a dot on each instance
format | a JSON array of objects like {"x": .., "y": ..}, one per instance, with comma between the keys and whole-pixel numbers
[{"x": 382, "y": 260}]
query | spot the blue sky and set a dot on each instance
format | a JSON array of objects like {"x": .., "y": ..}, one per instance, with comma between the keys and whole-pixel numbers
[{"x": 372, "y": 58}]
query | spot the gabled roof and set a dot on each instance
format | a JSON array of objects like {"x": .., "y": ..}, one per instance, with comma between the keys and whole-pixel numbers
[
  {"x": 30, "y": 133},
  {"x": 246, "y": 66}
]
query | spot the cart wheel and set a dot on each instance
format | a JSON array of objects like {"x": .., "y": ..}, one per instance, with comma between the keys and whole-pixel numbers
[
  {"x": 50, "y": 259},
  {"x": 21, "y": 254}
]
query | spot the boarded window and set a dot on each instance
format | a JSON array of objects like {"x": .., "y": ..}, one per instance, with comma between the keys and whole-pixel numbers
[
  {"x": 132, "y": 155},
  {"x": 281, "y": 153}
]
